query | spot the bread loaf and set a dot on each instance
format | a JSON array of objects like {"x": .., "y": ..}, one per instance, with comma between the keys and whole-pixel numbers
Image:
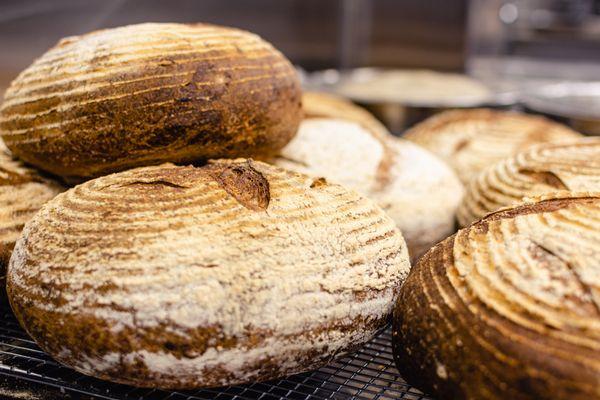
[
  {"x": 508, "y": 308},
  {"x": 325, "y": 105},
  {"x": 416, "y": 189},
  {"x": 181, "y": 277},
  {"x": 573, "y": 166},
  {"x": 471, "y": 140},
  {"x": 22, "y": 193},
  {"x": 149, "y": 93}
]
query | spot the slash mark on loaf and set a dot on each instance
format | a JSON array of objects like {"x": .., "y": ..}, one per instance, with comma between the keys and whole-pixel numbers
[
  {"x": 242, "y": 181},
  {"x": 546, "y": 177}
]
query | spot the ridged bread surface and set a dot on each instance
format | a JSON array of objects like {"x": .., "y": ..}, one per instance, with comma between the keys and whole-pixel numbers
[
  {"x": 508, "y": 308},
  {"x": 149, "y": 93},
  {"x": 22, "y": 192},
  {"x": 471, "y": 140},
  {"x": 182, "y": 277},
  {"x": 573, "y": 166},
  {"x": 416, "y": 189}
]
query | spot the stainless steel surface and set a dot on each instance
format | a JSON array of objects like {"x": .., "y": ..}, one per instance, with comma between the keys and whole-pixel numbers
[
  {"x": 538, "y": 29},
  {"x": 577, "y": 103},
  {"x": 533, "y": 42},
  {"x": 397, "y": 116}
]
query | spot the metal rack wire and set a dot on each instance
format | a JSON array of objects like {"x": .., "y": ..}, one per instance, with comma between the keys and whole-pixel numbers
[{"x": 368, "y": 374}]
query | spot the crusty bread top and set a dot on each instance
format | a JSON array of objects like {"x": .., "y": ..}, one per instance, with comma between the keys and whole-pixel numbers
[
  {"x": 149, "y": 93},
  {"x": 508, "y": 307},
  {"x": 22, "y": 193},
  {"x": 471, "y": 140},
  {"x": 239, "y": 263},
  {"x": 573, "y": 166},
  {"x": 413, "y": 186}
]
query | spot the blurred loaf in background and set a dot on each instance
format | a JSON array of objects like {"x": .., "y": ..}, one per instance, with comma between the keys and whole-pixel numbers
[
  {"x": 543, "y": 169},
  {"x": 471, "y": 140}
]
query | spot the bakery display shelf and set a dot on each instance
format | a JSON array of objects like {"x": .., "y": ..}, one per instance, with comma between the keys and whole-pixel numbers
[{"x": 367, "y": 374}]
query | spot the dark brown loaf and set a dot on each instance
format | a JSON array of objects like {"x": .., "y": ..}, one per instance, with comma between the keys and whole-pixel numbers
[
  {"x": 573, "y": 166},
  {"x": 22, "y": 192},
  {"x": 183, "y": 277},
  {"x": 508, "y": 308},
  {"x": 149, "y": 93}
]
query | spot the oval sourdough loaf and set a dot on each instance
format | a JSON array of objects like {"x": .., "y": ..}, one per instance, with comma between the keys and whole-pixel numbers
[
  {"x": 416, "y": 189},
  {"x": 182, "y": 277},
  {"x": 508, "y": 308},
  {"x": 22, "y": 193},
  {"x": 144, "y": 94},
  {"x": 573, "y": 166},
  {"x": 326, "y": 105},
  {"x": 471, "y": 140}
]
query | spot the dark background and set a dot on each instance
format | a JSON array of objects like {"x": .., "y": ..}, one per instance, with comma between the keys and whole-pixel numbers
[
  {"x": 311, "y": 33},
  {"x": 317, "y": 34}
]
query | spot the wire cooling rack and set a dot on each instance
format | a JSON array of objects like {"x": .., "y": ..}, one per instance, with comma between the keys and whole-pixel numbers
[{"x": 29, "y": 373}]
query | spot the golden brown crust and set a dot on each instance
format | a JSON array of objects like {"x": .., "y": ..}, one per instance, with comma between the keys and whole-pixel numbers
[
  {"x": 183, "y": 277},
  {"x": 150, "y": 93},
  {"x": 508, "y": 307},
  {"x": 249, "y": 187},
  {"x": 471, "y": 140},
  {"x": 22, "y": 192},
  {"x": 548, "y": 168}
]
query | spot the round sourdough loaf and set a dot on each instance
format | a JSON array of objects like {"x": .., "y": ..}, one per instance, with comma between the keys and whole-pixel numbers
[
  {"x": 22, "y": 193},
  {"x": 471, "y": 140},
  {"x": 417, "y": 190},
  {"x": 149, "y": 93},
  {"x": 508, "y": 308},
  {"x": 573, "y": 166},
  {"x": 182, "y": 277}
]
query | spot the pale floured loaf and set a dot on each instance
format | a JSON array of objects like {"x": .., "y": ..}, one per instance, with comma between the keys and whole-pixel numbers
[
  {"x": 471, "y": 140},
  {"x": 415, "y": 188},
  {"x": 508, "y": 308},
  {"x": 22, "y": 193},
  {"x": 182, "y": 277},
  {"x": 573, "y": 166},
  {"x": 149, "y": 93}
]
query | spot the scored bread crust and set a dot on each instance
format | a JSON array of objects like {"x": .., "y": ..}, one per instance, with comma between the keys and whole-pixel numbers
[
  {"x": 573, "y": 166},
  {"x": 508, "y": 307},
  {"x": 416, "y": 189},
  {"x": 22, "y": 192},
  {"x": 144, "y": 94},
  {"x": 471, "y": 140},
  {"x": 182, "y": 277}
]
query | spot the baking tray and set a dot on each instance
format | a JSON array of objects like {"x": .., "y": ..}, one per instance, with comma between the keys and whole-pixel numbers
[
  {"x": 398, "y": 116},
  {"x": 575, "y": 103},
  {"x": 29, "y": 373}
]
